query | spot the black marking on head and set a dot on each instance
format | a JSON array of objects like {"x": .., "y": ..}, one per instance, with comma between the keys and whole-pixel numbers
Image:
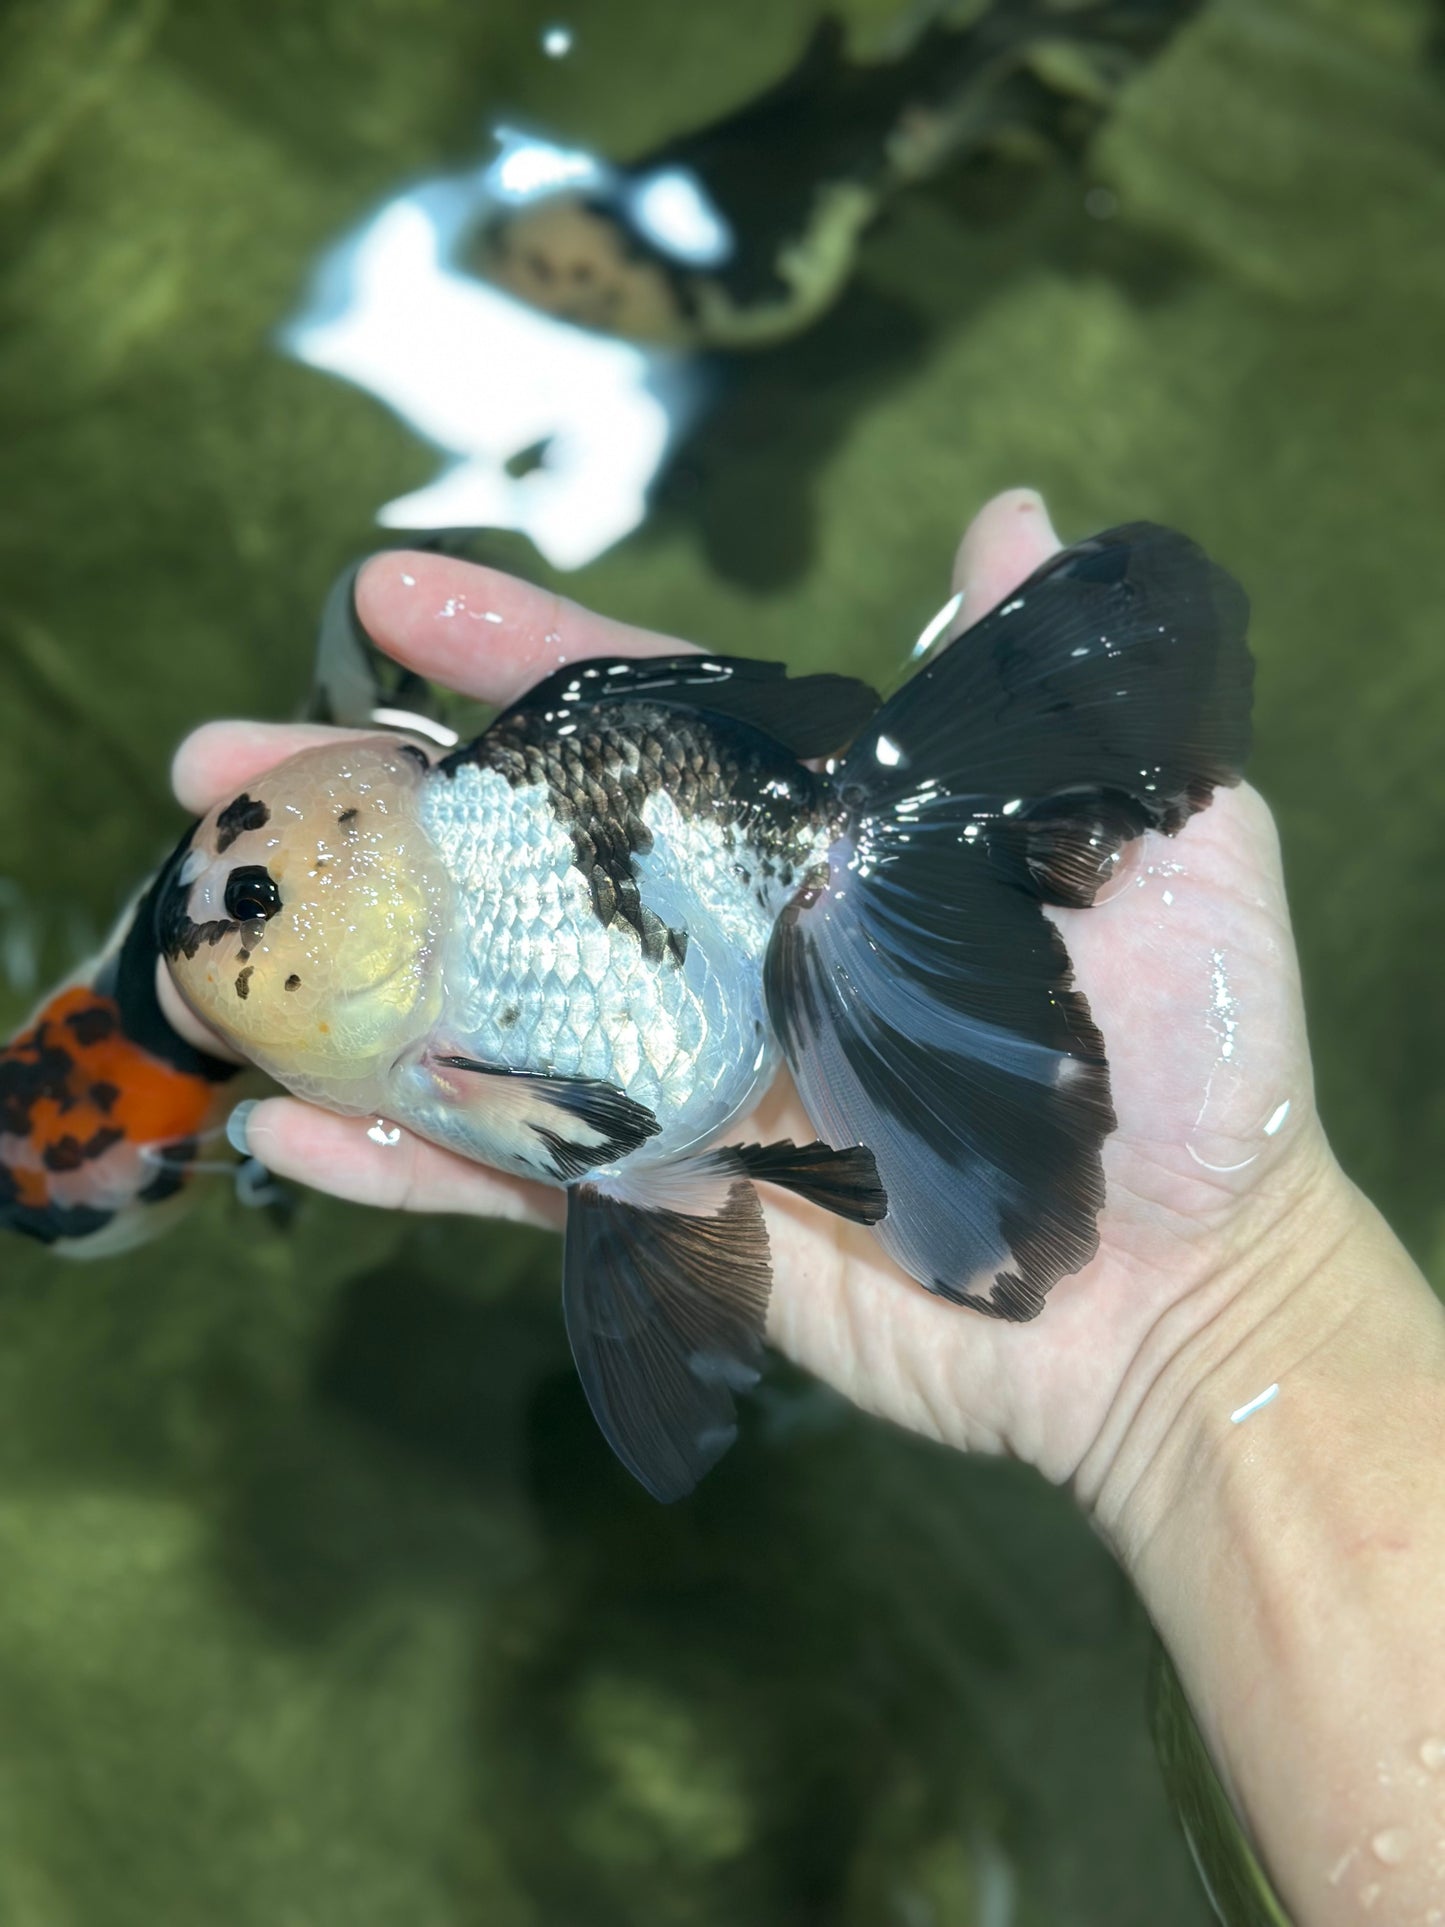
[
  {"x": 160, "y": 927},
  {"x": 238, "y": 817},
  {"x": 293, "y": 983},
  {"x": 91, "y": 1025},
  {"x": 174, "y": 932},
  {"x": 243, "y": 981},
  {"x": 347, "y": 817}
]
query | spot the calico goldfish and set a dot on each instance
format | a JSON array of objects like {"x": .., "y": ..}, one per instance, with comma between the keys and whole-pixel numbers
[{"x": 104, "y": 1109}]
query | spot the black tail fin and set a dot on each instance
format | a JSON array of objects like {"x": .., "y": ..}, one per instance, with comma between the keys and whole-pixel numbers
[{"x": 923, "y": 1000}]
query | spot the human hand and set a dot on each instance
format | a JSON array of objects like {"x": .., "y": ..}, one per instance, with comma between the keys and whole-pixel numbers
[{"x": 1218, "y": 1177}]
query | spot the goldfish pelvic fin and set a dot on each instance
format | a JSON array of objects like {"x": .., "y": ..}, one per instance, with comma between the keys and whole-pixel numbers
[
  {"x": 557, "y": 1127},
  {"x": 809, "y": 715},
  {"x": 922, "y": 999},
  {"x": 844, "y": 1182},
  {"x": 665, "y": 1284}
]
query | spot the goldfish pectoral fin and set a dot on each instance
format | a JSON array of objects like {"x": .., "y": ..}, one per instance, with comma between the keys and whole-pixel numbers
[
  {"x": 665, "y": 1291},
  {"x": 965, "y": 1061},
  {"x": 844, "y": 1182},
  {"x": 558, "y": 1127},
  {"x": 809, "y": 715}
]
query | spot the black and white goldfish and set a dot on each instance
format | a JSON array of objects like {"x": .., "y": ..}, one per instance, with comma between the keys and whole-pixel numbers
[
  {"x": 579, "y": 947},
  {"x": 741, "y": 233}
]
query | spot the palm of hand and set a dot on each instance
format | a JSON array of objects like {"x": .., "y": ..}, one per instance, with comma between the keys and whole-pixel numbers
[{"x": 1188, "y": 967}]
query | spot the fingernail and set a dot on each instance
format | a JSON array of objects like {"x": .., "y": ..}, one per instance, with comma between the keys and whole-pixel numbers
[
  {"x": 237, "y": 1124},
  {"x": 1030, "y": 502}
]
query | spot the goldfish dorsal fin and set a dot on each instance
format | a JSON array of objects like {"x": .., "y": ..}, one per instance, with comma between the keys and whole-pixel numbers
[{"x": 809, "y": 715}]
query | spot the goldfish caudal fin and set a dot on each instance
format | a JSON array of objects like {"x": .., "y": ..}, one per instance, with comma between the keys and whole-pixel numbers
[
  {"x": 102, "y": 1106},
  {"x": 923, "y": 1000},
  {"x": 665, "y": 1283}
]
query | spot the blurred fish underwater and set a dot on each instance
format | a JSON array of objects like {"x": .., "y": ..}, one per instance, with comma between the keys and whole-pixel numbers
[{"x": 562, "y": 324}]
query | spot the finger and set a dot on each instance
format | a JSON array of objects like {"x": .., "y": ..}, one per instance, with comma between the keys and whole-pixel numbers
[
  {"x": 1002, "y": 546},
  {"x": 218, "y": 759},
  {"x": 371, "y": 1162},
  {"x": 483, "y": 632}
]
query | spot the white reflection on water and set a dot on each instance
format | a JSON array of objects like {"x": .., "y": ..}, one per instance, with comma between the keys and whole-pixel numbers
[{"x": 486, "y": 378}]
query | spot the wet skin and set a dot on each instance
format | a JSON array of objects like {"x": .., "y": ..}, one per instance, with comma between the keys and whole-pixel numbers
[
  {"x": 1193, "y": 952},
  {"x": 1293, "y": 1563}
]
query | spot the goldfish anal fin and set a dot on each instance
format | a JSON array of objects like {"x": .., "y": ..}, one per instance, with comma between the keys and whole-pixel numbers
[{"x": 665, "y": 1290}]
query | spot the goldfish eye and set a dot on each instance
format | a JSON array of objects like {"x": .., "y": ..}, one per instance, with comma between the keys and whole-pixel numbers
[{"x": 251, "y": 894}]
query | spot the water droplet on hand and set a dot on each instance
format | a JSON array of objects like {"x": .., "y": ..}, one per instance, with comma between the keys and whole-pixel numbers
[
  {"x": 383, "y": 1133},
  {"x": 1391, "y": 1846}
]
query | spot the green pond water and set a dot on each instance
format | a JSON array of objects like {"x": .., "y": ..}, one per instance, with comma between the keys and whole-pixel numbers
[{"x": 322, "y": 1603}]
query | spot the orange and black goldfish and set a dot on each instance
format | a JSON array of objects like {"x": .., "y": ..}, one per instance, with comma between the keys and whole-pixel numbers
[
  {"x": 104, "y": 1110},
  {"x": 107, "y": 1115},
  {"x": 578, "y": 948}
]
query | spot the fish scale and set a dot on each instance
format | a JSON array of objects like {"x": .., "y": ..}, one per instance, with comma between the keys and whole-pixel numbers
[{"x": 617, "y": 889}]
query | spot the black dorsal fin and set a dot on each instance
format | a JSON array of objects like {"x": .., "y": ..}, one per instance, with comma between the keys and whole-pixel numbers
[{"x": 809, "y": 715}]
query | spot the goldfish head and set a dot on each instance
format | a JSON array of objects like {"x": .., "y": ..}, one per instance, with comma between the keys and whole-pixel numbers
[{"x": 304, "y": 920}]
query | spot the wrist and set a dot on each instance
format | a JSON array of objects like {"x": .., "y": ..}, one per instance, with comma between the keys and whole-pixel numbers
[
  {"x": 1287, "y": 1290},
  {"x": 1290, "y": 1550}
]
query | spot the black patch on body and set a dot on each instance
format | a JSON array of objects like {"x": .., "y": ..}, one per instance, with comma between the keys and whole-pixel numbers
[
  {"x": 238, "y": 817},
  {"x": 172, "y": 1175},
  {"x": 47, "y": 1224},
  {"x": 765, "y": 803},
  {"x": 69, "y": 1154},
  {"x": 91, "y": 1026},
  {"x": 42, "y": 1071},
  {"x": 347, "y": 817},
  {"x": 293, "y": 983},
  {"x": 243, "y": 982}
]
